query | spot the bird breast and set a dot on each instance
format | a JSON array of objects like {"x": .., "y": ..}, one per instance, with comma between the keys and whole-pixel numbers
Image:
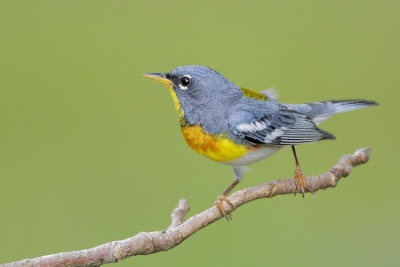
[{"x": 216, "y": 147}]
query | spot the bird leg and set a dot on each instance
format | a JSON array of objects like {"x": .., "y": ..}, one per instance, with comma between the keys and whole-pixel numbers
[
  {"x": 298, "y": 175},
  {"x": 222, "y": 198}
]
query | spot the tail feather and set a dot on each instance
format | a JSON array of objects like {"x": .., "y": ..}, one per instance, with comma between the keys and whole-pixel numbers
[{"x": 320, "y": 111}]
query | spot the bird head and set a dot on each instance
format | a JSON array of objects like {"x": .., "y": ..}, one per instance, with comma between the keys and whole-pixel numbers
[{"x": 197, "y": 86}]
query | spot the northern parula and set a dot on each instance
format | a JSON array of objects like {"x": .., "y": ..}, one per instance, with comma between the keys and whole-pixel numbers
[{"x": 239, "y": 126}]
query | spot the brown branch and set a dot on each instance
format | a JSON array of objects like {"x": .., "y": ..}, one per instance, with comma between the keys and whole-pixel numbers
[{"x": 146, "y": 243}]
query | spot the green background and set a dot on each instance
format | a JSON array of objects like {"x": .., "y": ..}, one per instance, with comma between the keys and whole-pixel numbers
[{"x": 90, "y": 151}]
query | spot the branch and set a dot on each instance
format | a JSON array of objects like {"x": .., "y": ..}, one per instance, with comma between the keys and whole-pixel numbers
[{"x": 146, "y": 243}]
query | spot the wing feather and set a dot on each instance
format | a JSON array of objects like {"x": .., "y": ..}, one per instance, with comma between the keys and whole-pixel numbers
[{"x": 282, "y": 127}]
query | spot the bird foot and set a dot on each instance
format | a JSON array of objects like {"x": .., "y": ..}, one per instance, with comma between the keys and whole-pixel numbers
[
  {"x": 219, "y": 204},
  {"x": 299, "y": 180}
]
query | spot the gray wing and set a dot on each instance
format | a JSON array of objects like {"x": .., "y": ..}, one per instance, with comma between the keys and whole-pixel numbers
[{"x": 280, "y": 127}]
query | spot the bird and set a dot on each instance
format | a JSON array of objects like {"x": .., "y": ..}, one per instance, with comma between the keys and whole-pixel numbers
[{"x": 237, "y": 126}]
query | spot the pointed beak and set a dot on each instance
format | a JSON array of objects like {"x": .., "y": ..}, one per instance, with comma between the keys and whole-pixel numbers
[{"x": 159, "y": 77}]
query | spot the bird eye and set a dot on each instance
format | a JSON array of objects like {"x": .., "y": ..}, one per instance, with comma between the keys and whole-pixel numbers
[{"x": 186, "y": 80}]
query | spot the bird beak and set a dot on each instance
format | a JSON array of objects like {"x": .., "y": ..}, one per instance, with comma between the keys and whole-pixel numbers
[{"x": 159, "y": 77}]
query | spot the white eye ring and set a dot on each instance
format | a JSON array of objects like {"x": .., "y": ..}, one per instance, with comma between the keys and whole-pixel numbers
[{"x": 185, "y": 81}]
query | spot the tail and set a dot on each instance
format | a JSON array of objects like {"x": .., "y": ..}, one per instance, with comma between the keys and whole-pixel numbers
[{"x": 320, "y": 111}]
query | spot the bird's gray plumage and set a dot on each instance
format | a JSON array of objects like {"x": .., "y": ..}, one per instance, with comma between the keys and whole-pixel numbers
[{"x": 220, "y": 107}]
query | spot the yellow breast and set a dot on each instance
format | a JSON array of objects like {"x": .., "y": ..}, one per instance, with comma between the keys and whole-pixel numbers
[{"x": 215, "y": 147}]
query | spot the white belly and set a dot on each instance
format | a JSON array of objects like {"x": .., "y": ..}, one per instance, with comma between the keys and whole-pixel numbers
[{"x": 255, "y": 155}]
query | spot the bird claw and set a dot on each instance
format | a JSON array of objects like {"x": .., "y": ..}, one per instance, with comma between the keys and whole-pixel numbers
[
  {"x": 299, "y": 180},
  {"x": 219, "y": 204}
]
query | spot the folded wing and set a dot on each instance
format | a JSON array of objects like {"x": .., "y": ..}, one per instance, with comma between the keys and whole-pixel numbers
[{"x": 280, "y": 127}]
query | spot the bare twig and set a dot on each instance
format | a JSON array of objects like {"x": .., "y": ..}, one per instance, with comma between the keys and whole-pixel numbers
[
  {"x": 178, "y": 214},
  {"x": 151, "y": 242}
]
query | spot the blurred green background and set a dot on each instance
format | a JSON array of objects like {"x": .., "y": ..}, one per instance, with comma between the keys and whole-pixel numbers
[{"x": 91, "y": 151}]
